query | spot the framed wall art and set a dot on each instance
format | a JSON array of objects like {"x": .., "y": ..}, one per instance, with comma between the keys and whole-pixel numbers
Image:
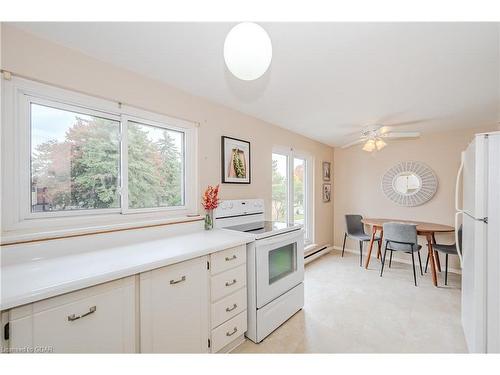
[
  {"x": 327, "y": 192},
  {"x": 236, "y": 168},
  {"x": 326, "y": 171}
]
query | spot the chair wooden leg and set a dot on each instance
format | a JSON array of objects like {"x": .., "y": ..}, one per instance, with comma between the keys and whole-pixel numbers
[
  {"x": 383, "y": 260},
  {"x": 426, "y": 263},
  {"x": 361, "y": 253},
  {"x": 343, "y": 246},
  {"x": 414, "y": 273},
  {"x": 420, "y": 262},
  {"x": 390, "y": 259},
  {"x": 446, "y": 270}
]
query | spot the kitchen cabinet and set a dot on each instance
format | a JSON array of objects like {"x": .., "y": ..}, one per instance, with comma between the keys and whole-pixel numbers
[
  {"x": 197, "y": 305},
  {"x": 174, "y": 305},
  {"x": 228, "y": 295},
  {"x": 100, "y": 319}
]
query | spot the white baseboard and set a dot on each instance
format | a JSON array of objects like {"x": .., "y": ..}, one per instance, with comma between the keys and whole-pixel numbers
[
  {"x": 399, "y": 260},
  {"x": 318, "y": 254}
]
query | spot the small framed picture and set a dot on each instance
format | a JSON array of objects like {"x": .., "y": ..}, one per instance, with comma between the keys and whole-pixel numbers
[
  {"x": 236, "y": 167},
  {"x": 327, "y": 192},
  {"x": 326, "y": 171}
]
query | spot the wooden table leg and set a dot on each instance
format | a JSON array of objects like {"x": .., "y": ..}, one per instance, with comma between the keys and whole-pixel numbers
[
  {"x": 374, "y": 232},
  {"x": 431, "y": 258},
  {"x": 380, "y": 242}
]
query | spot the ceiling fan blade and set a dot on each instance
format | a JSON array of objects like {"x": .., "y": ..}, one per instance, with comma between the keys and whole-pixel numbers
[
  {"x": 396, "y": 135},
  {"x": 357, "y": 141}
]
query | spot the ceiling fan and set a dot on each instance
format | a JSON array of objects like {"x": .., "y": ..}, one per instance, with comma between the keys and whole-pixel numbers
[{"x": 374, "y": 137}]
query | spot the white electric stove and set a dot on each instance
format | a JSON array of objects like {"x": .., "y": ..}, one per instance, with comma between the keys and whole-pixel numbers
[{"x": 275, "y": 265}]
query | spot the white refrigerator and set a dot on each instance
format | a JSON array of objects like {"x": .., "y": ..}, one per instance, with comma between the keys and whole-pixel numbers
[{"x": 480, "y": 251}]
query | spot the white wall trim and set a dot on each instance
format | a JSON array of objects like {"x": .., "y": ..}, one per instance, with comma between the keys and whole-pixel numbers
[
  {"x": 318, "y": 254},
  {"x": 399, "y": 260}
]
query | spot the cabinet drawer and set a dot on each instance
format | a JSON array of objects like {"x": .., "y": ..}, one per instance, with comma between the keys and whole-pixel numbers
[
  {"x": 227, "y": 259},
  {"x": 228, "y": 307},
  {"x": 99, "y": 319},
  {"x": 227, "y": 332},
  {"x": 228, "y": 282}
]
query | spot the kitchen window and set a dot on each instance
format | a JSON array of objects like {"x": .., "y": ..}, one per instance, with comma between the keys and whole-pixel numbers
[
  {"x": 71, "y": 159},
  {"x": 292, "y": 189}
]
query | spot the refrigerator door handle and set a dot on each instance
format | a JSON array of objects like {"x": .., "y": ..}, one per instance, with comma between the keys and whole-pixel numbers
[
  {"x": 457, "y": 183},
  {"x": 457, "y": 244}
]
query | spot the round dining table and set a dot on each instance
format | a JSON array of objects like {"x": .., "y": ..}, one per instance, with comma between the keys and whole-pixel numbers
[{"x": 423, "y": 229}]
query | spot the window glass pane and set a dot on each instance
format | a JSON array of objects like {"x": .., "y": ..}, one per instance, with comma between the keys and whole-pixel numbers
[
  {"x": 280, "y": 188},
  {"x": 282, "y": 262},
  {"x": 75, "y": 160},
  {"x": 299, "y": 204},
  {"x": 155, "y": 166}
]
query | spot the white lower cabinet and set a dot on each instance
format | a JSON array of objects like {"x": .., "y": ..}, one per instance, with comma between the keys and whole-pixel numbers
[
  {"x": 174, "y": 306},
  {"x": 195, "y": 306},
  {"x": 100, "y": 319},
  {"x": 229, "y": 298}
]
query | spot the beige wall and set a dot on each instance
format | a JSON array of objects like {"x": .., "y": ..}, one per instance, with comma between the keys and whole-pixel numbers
[
  {"x": 38, "y": 59},
  {"x": 358, "y": 174}
]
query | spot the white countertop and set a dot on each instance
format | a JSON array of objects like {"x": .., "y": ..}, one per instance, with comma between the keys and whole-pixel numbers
[{"x": 35, "y": 280}]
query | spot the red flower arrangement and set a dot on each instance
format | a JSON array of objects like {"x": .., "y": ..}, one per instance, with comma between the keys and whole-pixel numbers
[{"x": 210, "y": 199}]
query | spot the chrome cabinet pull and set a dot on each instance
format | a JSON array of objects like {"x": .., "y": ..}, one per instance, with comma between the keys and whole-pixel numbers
[
  {"x": 173, "y": 282},
  {"x": 229, "y": 309},
  {"x": 229, "y": 283},
  {"x": 232, "y": 258},
  {"x": 232, "y": 333},
  {"x": 74, "y": 317}
]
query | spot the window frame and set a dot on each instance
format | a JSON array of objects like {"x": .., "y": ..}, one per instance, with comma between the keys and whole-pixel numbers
[
  {"x": 17, "y": 96},
  {"x": 291, "y": 154}
]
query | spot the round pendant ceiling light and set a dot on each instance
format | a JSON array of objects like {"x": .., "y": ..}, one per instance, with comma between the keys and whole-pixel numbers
[{"x": 248, "y": 51}]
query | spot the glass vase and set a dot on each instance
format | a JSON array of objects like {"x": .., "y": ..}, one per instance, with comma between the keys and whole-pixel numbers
[{"x": 209, "y": 219}]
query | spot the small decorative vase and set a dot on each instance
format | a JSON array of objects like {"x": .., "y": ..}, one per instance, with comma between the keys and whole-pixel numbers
[{"x": 209, "y": 219}]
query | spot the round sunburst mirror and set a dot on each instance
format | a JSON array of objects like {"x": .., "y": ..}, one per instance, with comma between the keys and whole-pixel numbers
[{"x": 410, "y": 183}]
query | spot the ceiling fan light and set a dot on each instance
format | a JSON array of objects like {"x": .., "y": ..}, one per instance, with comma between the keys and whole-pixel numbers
[
  {"x": 369, "y": 145},
  {"x": 380, "y": 144}
]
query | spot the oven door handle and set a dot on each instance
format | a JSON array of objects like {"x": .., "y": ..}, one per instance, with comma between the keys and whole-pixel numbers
[{"x": 289, "y": 237}]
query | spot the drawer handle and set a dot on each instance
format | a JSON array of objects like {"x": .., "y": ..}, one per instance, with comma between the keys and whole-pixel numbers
[
  {"x": 74, "y": 317},
  {"x": 229, "y": 283},
  {"x": 173, "y": 282},
  {"x": 232, "y": 258},
  {"x": 229, "y": 309},
  {"x": 232, "y": 333}
]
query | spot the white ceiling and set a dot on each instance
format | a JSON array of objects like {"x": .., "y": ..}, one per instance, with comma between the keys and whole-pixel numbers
[{"x": 326, "y": 80}]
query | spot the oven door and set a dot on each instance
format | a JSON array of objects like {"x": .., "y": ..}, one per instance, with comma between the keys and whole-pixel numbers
[{"x": 280, "y": 265}]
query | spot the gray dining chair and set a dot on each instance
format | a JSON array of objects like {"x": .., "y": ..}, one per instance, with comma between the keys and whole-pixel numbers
[
  {"x": 401, "y": 237},
  {"x": 447, "y": 250},
  {"x": 356, "y": 230}
]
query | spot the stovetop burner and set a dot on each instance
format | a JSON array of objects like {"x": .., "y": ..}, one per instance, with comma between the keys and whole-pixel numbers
[{"x": 260, "y": 227}]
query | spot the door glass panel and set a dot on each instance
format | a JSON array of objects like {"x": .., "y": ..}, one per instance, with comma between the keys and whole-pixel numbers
[
  {"x": 282, "y": 262},
  {"x": 279, "y": 188},
  {"x": 299, "y": 168}
]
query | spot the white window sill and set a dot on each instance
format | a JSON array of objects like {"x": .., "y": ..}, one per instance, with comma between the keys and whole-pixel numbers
[{"x": 23, "y": 236}]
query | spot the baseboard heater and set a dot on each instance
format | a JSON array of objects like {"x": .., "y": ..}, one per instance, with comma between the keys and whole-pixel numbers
[{"x": 317, "y": 253}]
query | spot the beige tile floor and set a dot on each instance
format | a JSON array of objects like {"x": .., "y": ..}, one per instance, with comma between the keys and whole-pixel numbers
[{"x": 350, "y": 309}]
